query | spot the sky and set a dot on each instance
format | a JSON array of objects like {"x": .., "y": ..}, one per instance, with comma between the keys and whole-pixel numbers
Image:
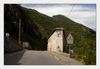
[{"x": 81, "y": 13}]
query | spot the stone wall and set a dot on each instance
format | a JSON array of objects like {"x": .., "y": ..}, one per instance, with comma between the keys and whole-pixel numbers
[{"x": 10, "y": 45}]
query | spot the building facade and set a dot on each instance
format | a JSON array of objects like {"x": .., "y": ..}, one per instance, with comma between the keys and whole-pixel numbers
[{"x": 56, "y": 40}]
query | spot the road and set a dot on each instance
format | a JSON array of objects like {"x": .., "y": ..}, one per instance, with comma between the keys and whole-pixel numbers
[{"x": 31, "y": 57}]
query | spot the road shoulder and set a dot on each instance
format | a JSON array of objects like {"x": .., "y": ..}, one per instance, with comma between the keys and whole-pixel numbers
[
  {"x": 8, "y": 55},
  {"x": 63, "y": 57}
]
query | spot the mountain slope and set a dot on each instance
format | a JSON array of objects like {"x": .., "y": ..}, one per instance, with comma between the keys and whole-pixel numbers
[
  {"x": 84, "y": 39},
  {"x": 43, "y": 22},
  {"x": 29, "y": 31}
]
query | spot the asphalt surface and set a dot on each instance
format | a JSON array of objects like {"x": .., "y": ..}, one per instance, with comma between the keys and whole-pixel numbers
[
  {"x": 31, "y": 57},
  {"x": 64, "y": 58}
]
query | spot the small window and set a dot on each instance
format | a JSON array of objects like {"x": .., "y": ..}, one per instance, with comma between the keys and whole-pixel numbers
[{"x": 58, "y": 33}]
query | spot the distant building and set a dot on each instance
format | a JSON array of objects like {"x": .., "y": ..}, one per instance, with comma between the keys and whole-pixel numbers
[{"x": 56, "y": 40}]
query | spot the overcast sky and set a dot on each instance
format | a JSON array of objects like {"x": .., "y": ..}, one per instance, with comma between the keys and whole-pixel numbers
[{"x": 81, "y": 13}]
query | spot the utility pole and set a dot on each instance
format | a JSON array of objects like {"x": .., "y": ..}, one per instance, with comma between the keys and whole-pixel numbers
[
  {"x": 19, "y": 30},
  {"x": 69, "y": 50}
]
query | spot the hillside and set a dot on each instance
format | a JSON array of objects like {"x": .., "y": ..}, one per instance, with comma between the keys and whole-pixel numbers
[
  {"x": 36, "y": 27},
  {"x": 29, "y": 31},
  {"x": 84, "y": 39},
  {"x": 45, "y": 23}
]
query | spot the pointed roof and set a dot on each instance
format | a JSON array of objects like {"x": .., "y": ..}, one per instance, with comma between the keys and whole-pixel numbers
[{"x": 55, "y": 30}]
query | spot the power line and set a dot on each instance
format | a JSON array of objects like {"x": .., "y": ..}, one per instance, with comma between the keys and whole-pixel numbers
[
  {"x": 71, "y": 10},
  {"x": 91, "y": 22}
]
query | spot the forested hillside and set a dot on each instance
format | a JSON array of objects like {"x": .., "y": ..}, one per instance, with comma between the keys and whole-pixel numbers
[
  {"x": 36, "y": 27},
  {"x": 84, "y": 39},
  {"x": 29, "y": 31}
]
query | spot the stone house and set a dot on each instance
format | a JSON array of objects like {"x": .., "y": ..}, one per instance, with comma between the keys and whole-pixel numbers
[{"x": 56, "y": 40}]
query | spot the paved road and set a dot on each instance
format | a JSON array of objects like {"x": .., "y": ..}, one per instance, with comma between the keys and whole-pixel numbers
[
  {"x": 32, "y": 58},
  {"x": 64, "y": 58}
]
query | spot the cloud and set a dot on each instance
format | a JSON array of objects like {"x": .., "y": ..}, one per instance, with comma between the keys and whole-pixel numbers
[{"x": 80, "y": 13}]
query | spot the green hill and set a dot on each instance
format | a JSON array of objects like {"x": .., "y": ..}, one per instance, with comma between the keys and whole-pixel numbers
[
  {"x": 84, "y": 39},
  {"x": 36, "y": 28},
  {"x": 45, "y": 23}
]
